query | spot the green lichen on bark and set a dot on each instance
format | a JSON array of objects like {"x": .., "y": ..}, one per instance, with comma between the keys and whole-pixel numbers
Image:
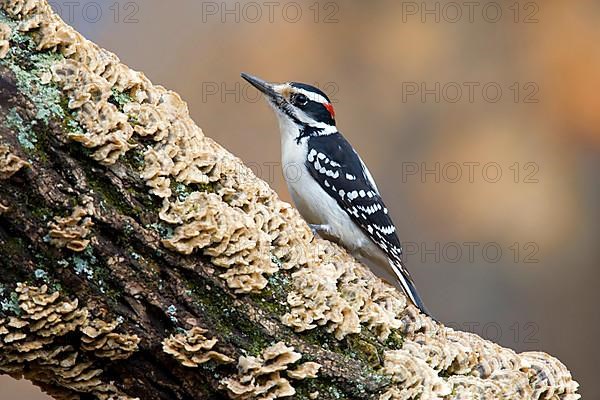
[
  {"x": 29, "y": 67},
  {"x": 25, "y": 134}
]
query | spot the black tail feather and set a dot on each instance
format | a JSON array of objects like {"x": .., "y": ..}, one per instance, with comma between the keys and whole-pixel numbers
[{"x": 409, "y": 287}]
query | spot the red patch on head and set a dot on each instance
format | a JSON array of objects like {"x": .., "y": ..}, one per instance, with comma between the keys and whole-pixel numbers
[{"x": 329, "y": 108}]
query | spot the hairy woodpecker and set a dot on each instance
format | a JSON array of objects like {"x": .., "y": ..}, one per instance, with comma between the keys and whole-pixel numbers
[{"x": 334, "y": 192}]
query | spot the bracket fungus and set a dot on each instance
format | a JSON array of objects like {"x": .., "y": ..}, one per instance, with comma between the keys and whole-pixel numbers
[
  {"x": 39, "y": 344},
  {"x": 475, "y": 368},
  {"x": 339, "y": 293},
  {"x": 99, "y": 338},
  {"x": 71, "y": 231},
  {"x": 548, "y": 376},
  {"x": 192, "y": 348},
  {"x": 10, "y": 164},
  {"x": 5, "y": 33},
  {"x": 260, "y": 377},
  {"x": 226, "y": 234},
  {"x": 412, "y": 378},
  {"x": 239, "y": 225},
  {"x": 178, "y": 152}
]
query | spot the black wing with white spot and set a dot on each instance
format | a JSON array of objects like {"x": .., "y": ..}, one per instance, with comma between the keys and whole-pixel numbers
[{"x": 334, "y": 164}]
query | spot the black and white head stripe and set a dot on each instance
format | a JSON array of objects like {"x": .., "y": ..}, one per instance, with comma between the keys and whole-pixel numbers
[
  {"x": 313, "y": 102},
  {"x": 302, "y": 105},
  {"x": 313, "y": 93},
  {"x": 338, "y": 169}
]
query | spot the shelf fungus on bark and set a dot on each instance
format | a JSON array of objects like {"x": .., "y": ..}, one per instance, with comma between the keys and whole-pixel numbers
[
  {"x": 10, "y": 163},
  {"x": 475, "y": 367},
  {"x": 469, "y": 387},
  {"x": 178, "y": 152},
  {"x": 192, "y": 348},
  {"x": 460, "y": 353},
  {"x": 40, "y": 343},
  {"x": 226, "y": 234},
  {"x": 99, "y": 338},
  {"x": 549, "y": 377},
  {"x": 440, "y": 354},
  {"x": 412, "y": 377},
  {"x": 72, "y": 231},
  {"x": 107, "y": 130},
  {"x": 260, "y": 377},
  {"x": 5, "y": 32},
  {"x": 305, "y": 370},
  {"x": 215, "y": 205},
  {"x": 340, "y": 294}
]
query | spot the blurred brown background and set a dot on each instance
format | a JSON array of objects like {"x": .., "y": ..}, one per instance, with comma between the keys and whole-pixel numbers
[{"x": 479, "y": 122}]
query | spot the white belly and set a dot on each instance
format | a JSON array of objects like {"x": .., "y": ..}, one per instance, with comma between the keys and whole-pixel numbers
[
  {"x": 320, "y": 209},
  {"x": 316, "y": 206}
]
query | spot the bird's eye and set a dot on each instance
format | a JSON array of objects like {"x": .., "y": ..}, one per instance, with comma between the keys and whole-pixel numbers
[{"x": 300, "y": 99}]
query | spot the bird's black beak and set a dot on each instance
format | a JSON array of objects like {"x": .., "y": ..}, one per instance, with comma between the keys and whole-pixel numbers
[{"x": 265, "y": 87}]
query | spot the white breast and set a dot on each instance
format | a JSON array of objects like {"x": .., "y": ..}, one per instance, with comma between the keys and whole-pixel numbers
[
  {"x": 318, "y": 208},
  {"x": 315, "y": 205}
]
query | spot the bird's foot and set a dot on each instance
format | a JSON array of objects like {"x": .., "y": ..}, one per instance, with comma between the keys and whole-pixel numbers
[{"x": 321, "y": 230}]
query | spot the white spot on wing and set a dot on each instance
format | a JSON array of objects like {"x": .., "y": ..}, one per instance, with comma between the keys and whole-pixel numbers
[
  {"x": 386, "y": 230},
  {"x": 332, "y": 174}
]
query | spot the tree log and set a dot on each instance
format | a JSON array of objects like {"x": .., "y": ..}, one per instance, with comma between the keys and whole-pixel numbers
[{"x": 139, "y": 259}]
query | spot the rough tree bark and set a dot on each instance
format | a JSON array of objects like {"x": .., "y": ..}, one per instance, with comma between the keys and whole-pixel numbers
[{"x": 139, "y": 259}]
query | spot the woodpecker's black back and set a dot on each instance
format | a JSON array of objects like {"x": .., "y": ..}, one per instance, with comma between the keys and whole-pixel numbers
[{"x": 338, "y": 169}]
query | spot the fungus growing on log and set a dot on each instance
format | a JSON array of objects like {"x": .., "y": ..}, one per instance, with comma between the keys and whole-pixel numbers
[
  {"x": 186, "y": 236},
  {"x": 193, "y": 348}
]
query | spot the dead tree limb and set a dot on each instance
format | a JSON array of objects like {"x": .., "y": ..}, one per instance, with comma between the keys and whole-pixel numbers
[{"x": 139, "y": 259}]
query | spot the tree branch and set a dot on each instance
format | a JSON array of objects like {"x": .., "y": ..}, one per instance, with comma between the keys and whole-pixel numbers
[{"x": 142, "y": 260}]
